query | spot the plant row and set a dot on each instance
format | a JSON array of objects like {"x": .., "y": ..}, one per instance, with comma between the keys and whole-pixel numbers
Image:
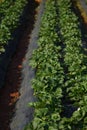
[
  {"x": 61, "y": 71},
  {"x": 4, "y": 6},
  {"x": 49, "y": 77},
  {"x": 75, "y": 62},
  {"x": 10, "y": 12}
]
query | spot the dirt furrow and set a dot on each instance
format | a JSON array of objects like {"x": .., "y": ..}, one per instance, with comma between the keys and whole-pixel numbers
[{"x": 9, "y": 94}]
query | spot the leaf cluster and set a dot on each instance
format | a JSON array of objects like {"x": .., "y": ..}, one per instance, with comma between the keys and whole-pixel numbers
[{"x": 10, "y": 12}]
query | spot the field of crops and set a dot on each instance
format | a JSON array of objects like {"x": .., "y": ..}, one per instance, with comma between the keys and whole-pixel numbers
[
  {"x": 60, "y": 63},
  {"x": 60, "y": 84}
]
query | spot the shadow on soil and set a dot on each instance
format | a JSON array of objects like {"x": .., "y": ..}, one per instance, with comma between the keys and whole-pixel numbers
[{"x": 11, "y": 65}]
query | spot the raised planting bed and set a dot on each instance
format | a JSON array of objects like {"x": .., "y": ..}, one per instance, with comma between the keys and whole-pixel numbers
[{"x": 60, "y": 84}]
